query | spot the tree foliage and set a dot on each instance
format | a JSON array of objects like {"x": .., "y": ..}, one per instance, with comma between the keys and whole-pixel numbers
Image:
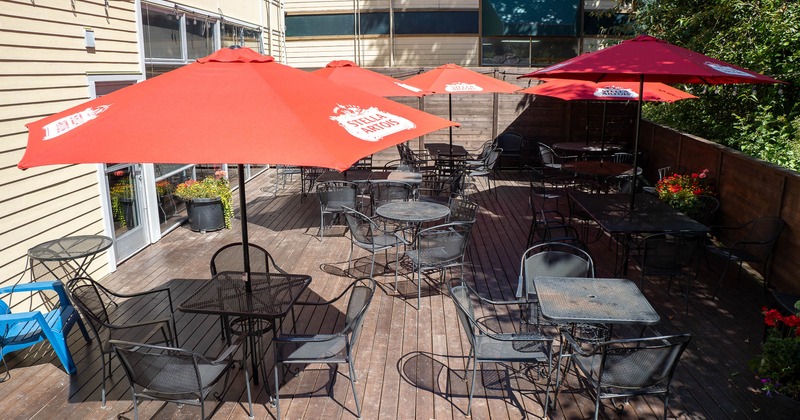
[{"x": 760, "y": 35}]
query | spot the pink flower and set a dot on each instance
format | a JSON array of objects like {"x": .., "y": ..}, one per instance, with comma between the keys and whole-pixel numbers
[{"x": 703, "y": 174}]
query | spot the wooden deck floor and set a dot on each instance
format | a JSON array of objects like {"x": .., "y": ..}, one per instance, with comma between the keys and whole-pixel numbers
[{"x": 410, "y": 363}]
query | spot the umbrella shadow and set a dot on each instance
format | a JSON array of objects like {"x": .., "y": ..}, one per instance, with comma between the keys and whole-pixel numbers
[{"x": 426, "y": 372}]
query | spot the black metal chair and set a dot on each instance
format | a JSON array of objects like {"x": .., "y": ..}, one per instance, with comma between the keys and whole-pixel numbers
[
  {"x": 487, "y": 346},
  {"x": 231, "y": 258},
  {"x": 512, "y": 144},
  {"x": 462, "y": 209},
  {"x": 176, "y": 375},
  {"x": 624, "y": 368},
  {"x": 334, "y": 196},
  {"x": 366, "y": 234},
  {"x": 96, "y": 303},
  {"x": 707, "y": 207},
  {"x": 670, "y": 255},
  {"x": 485, "y": 168},
  {"x": 384, "y": 191},
  {"x": 439, "y": 248},
  {"x": 755, "y": 241},
  {"x": 556, "y": 259},
  {"x": 551, "y": 160},
  {"x": 328, "y": 348}
]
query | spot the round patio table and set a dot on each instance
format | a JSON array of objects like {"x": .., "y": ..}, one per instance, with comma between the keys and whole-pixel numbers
[
  {"x": 413, "y": 211},
  {"x": 596, "y": 168},
  {"x": 591, "y": 147},
  {"x": 69, "y": 256}
]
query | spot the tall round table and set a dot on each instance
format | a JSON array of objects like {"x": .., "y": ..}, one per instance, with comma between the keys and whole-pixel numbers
[{"x": 69, "y": 256}]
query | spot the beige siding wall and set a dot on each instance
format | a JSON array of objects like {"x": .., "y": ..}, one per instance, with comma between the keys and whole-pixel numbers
[{"x": 44, "y": 70}]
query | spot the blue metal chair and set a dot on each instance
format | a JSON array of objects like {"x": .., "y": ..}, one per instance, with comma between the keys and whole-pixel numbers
[{"x": 24, "y": 329}]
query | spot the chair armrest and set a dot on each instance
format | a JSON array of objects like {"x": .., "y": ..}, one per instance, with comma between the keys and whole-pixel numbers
[
  {"x": 577, "y": 347},
  {"x": 14, "y": 318},
  {"x": 520, "y": 337},
  {"x": 232, "y": 348},
  {"x": 494, "y": 302},
  {"x": 31, "y": 287}
]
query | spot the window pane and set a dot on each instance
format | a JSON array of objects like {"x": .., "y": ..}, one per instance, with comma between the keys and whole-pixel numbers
[
  {"x": 546, "y": 51},
  {"x": 532, "y": 18},
  {"x": 252, "y": 40},
  {"x": 199, "y": 37},
  {"x": 321, "y": 25},
  {"x": 408, "y": 23},
  {"x": 162, "y": 35},
  {"x": 506, "y": 52}
]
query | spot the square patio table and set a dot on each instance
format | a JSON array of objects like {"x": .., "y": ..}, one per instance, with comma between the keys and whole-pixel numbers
[
  {"x": 271, "y": 297},
  {"x": 649, "y": 216},
  {"x": 435, "y": 149},
  {"x": 614, "y": 301}
]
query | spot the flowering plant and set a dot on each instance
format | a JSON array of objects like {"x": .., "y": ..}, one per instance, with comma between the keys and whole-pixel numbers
[
  {"x": 164, "y": 188},
  {"x": 121, "y": 191},
  {"x": 778, "y": 365},
  {"x": 681, "y": 191},
  {"x": 211, "y": 187}
]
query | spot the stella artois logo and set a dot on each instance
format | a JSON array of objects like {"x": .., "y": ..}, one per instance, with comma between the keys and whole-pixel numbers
[
  {"x": 462, "y": 87},
  {"x": 70, "y": 122},
  {"x": 369, "y": 124},
  {"x": 728, "y": 70},
  {"x": 615, "y": 92}
]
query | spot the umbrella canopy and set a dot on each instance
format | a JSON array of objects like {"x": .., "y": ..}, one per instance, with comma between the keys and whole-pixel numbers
[
  {"x": 347, "y": 73},
  {"x": 577, "y": 90},
  {"x": 233, "y": 106},
  {"x": 648, "y": 59},
  {"x": 456, "y": 80},
  {"x": 656, "y": 60}
]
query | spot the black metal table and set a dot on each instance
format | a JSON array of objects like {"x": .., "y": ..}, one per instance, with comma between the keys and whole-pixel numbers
[
  {"x": 413, "y": 211},
  {"x": 68, "y": 257},
  {"x": 435, "y": 149},
  {"x": 271, "y": 297},
  {"x": 579, "y": 300},
  {"x": 650, "y": 215}
]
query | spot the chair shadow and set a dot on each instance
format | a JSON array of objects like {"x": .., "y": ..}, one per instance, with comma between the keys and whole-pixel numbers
[{"x": 423, "y": 371}]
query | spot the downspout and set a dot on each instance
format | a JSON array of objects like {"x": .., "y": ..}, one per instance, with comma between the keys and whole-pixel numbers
[{"x": 391, "y": 33}]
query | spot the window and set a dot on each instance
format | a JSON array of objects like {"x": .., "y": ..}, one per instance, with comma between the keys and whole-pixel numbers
[
  {"x": 413, "y": 23},
  {"x": 530, "y": 18}
]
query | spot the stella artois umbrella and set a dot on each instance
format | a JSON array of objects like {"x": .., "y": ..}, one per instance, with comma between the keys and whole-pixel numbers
[
  {"x": 455, "y": 80},
  {"x": 347, "y": 73},
  {"x": 648, "y": 59},
  {"x": 233, "y": 106}
]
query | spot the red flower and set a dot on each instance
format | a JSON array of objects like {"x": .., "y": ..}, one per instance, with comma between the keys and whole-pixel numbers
[
  {"x": 791, "y": 321},
  {"x": 695, "y": 175},
  {"x": 772, "y": 317}
]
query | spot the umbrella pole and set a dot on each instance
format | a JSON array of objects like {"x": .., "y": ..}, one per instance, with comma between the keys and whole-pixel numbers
[
  {"x": 245, "y": 242},
  {"x": 450, "y": 111},
  {"x": 636, "y": 141},
  {"x": 603, "y": 134}
]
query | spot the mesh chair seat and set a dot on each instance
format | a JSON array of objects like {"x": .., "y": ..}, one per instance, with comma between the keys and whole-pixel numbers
[
  {"x": 512, "y": 347},
  {"x": 624, "y": 372},
  {"x": 172, "y": 376},
  {"x": 330, "y": 348}
]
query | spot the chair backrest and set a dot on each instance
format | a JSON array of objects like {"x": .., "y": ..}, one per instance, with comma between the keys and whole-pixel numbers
[
  {"x": 510, "y": 142},
  {"x": 462, "y": 209},
  {"x": 491, "y": 158},
  {"x": 763, "y": 233},
  {"x": 669, "y": 253},
  {"x": 145, "y": 366},
  {"x": 707, "y": 206},
  {"x": 363, "y": 164},
  {"x": 231, "y": 258},
  {"x": 445, "y": 243},
  {"x": 464, "y": 309},
  {"x": 361, "y": 227},
  {"x": 337, "y": 193},
  {"x": 357, "y": 305},
  {"x": 385, "y": 191},
  {"x": 92, "y": 302},
  {"x": 642, "y": 362},
  {"x": 622, "y": 157},
  {"x": 546, "y": 154},
  {"x": 664, "y": 172},
  {"x": 556, "y": 259}
]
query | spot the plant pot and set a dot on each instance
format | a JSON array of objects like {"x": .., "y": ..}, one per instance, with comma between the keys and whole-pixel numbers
[
  {"x": 129, "y": 212},
  {"x": 205, "y": 214}
]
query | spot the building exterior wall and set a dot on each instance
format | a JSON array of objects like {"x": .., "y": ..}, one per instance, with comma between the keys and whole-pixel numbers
[{"x": 45, "y": 68}]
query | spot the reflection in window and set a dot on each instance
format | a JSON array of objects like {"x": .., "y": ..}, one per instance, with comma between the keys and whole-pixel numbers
[
  {"x": 241, "y": 36},
  {"x": 199, "y": 37},
  {"x": 162, "y": 33},
  {"x": 122, "y": 189},
  {"x": 527, "y": 52}
]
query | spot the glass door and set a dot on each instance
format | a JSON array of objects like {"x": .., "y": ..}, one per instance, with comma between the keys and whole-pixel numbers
[{"x": 127, "y": 208}]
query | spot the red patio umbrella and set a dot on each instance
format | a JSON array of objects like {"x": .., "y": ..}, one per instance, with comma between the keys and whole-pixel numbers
[
  {"x": 648, "y": 59},
  {"x": 347, "y": 73},
  {"x": 455, "y": 80},
  {"x": 584, "y": 90},
  {"x": 233, "y": 106}
]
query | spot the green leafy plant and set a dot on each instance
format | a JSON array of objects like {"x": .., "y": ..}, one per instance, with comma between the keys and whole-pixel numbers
[
  {"x": 681, "y": 191},
  {"x": 778, "y": 365},
  {"x": 216, "y": 186},
  {"x": 164, "y": 188}
]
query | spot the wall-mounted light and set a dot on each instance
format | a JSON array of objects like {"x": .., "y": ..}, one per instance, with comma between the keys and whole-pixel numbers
[{"x": 88, "y": 38}]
